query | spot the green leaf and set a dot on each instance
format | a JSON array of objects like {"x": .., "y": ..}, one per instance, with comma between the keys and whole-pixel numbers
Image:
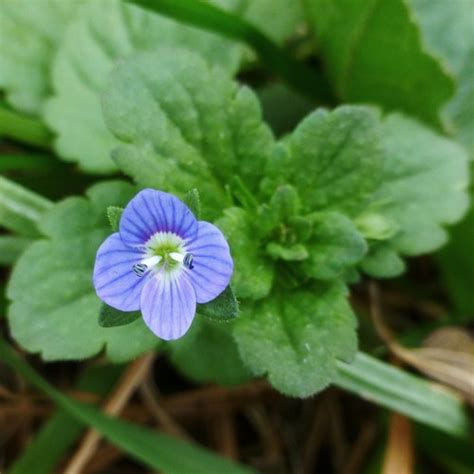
[
  {"x": 297, "y": 337},
  {"x": 208, "y": 353},
  {"x": 382, "y": 261},
  {"x": 155, "y": 450},
  {"x": 457, "y": 267},
  {"x": 222, "y": 308},
  {"x": 114, "y": 215},
  {"x": 253, "y": 273},
  {"x": 448, "y": 30},
  {"x": 193, "y": 201},
  {"x": 423, "y": 186},
  {"x": 185, "y": 125},
  {"x": 54, "y": 307},
  {"x": 29, "y": 38},
  {"x": 285, "y": 203},
  {"x": 332, "y": 159},
  {"x": 334, "y": 247},
  {"x": 21, "y": 210},
  {"x": 101, "y": 35},
  {"x": 59, "y": 433},
  {"x": 243, "y": 195},
  {"x": 294, "y": 253},
  {"x": 110, "y": 317},
  {"x": 11, "y": 248},
  {"x": 374, "y": 53},
  {"x": 404, "y": 393},
  {"x": 375, "y": 227}
]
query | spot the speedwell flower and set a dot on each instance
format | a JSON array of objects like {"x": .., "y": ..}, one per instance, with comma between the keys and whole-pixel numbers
[{"x": 162, "y": 262}]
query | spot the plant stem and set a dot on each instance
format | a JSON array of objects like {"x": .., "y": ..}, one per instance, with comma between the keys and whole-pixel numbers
[
  {"x": 296, "y": 74},
  {"x": 23, "y": 128}
]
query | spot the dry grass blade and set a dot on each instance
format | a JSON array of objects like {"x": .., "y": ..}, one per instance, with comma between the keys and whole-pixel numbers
[
  {"x": 399, "y": 452},
  {"x": 451, "y": 364},
  {"x": 127, "y": 385}
]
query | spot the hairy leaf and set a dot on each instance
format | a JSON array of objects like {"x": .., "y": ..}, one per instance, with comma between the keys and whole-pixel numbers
[
  {"x": 334, "y": 247},
  {"x": 184, "y": 125},
  {"x": 253, "y": 273},
  {"x": 193, "y": 201},
  {"x": 374, "y": 53},
  {"x": 423, "y": 185},
  {"x": 222, "y": 308},
  {"x": 54, "y": 308},
  {"x": 110, "y": 317},
  {"x": 332, "y": 158},
  {"x": 102, "y": 34},
  {"x": 297, "y": 338},
  {"x": 114, "y": 214}
]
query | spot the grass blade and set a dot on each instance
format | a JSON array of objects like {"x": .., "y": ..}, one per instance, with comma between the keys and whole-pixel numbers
[
  {"x": 23, "y": 128},
  {"x": 21, "y": 209},
  {"x": 296, "y": 74},
  {"x": 153, "y": 449},
  {"x": 61, "y": 431},
  {"x": 404, "y": 393}
]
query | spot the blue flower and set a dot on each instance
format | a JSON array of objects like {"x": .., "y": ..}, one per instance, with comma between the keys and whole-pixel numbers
[{"x": 162, "y": 262}]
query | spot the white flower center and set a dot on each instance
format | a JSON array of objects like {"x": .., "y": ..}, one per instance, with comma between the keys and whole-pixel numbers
[{"x": 164, "y": 251}]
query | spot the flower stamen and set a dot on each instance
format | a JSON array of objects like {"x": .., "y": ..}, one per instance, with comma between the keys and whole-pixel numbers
[{"x": 142, "y": 267}]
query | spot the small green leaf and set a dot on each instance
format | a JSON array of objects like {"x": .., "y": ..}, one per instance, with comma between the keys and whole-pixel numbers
[
  {"x": 382, "y": 261},
  {"x": 295, "y": 253},
  {"x": 208, "y": 353},
  {"x": 333, "y": 160},
  {"x": 253, "y": 273},
  {"x": 222, "y": 308},
  {"x": 54, "y": 307},
  {"x": 375, "y": 226},
  {"x": 296, "y": 338},
  {"x": 110, "y": 317},
  {"x": 354, "y": 38},
  {"x": 285, "y": 202},
  {"x": 21, "y": 210},
  {"x": 334, "y": 247},
  {"x": 114, "y": 215},
  {"x": 243, "y": 194},
  {"x": 193, "y": 201}
]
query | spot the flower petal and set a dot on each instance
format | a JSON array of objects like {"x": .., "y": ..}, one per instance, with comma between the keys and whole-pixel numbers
[
  {"x": 212, "y": 262},
  {"x": 168, "y": 305},
  {"x": 114, "y": 280},
  {"x": 152, "y": 211}
]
